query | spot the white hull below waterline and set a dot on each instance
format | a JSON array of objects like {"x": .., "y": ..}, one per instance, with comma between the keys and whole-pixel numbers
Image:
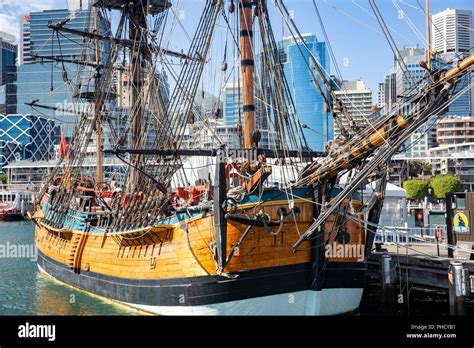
[{"x": 307, "y": 302}]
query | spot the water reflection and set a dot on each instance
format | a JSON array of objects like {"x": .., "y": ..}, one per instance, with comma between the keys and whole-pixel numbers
[{"x": 24, "y": 291}]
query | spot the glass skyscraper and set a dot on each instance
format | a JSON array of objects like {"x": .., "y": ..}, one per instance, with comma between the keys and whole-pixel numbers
[
  {"x": 70, "y": 46},
  {"x": 8, "y": 51},
  {"x": 462, "y": 106},
  {"x": 43, "y": 84},
  {"x": 309, "y": 103},
  {"x": 47, "y": 82},
  {"x": 25, "y": 137}
]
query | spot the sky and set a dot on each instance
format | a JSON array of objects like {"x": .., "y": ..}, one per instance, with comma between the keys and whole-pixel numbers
[{"x": 360, "y": 48}]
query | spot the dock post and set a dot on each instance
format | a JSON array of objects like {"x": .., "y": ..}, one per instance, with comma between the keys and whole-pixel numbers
[
  {"x": 456, "y": 288},
  {"x": 386, "y": 277}
]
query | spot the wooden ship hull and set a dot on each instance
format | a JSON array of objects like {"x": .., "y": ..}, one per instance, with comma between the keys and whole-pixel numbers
[
  {"x": 298, "y": 249},
  {"x": 170, "y": 267}
]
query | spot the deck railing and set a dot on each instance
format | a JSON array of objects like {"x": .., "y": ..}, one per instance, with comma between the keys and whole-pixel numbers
[{"x": 402, "y": 235}]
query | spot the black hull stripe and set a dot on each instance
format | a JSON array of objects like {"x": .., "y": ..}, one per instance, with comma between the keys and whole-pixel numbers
[{"x": 195, "y": 291}]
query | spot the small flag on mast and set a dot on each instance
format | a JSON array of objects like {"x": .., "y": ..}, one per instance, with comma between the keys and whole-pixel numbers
[{"x": 63, "y": 145}]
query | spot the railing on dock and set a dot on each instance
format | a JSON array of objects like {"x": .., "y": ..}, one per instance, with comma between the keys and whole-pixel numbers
[{"x": 402, "y": 235}]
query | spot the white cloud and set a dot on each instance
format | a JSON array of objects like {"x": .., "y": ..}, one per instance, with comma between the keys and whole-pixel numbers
[{"x": 12, "y": 10}]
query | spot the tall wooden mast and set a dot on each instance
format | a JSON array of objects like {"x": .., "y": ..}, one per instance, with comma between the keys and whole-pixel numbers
[
  {"x": 99, "y": 174},
  {"x": 428, "y": 35},
  {"x": 247, "y": 65},
  {"x": 139, "y": 17}
]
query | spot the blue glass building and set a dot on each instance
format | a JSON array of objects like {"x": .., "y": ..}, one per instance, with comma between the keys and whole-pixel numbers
[
  {"x": 8, "y": 52},
  {"x": 462, "y": 106},
  {"x": 309, "y": 103},
  {"x": 26, "y": 137},
  {"x": 70, "y": 46},
  {"x": 43, "y": 84},
  {"x": 49, "y": 83}
]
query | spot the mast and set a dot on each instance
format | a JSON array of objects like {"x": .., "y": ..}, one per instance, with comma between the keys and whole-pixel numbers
[
  {"x": 247, "y": 66},
  {"x": 99, "y": 174},
  {"x": 135, "y": 34},
  {"x": 428, "y": 35}
]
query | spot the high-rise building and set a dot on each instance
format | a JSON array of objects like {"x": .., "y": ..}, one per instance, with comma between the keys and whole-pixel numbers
[
  {"x": 44, "y": 44},
  {"x": 309, "y": 103},
  {"x": 8, "y": 51},
  {"x": 227, "y": 130},
  {"x": 357, "y": 98},
  {"x": 24, "y": 49},
  {"x": 409, "y": 73},
  {"x": 454, "y": 40},
  {"x": 455, "y": 130},
  {"x": 232, "y": 104},
  {"x": 48, "y": 84},
  {"x": 451, "y": 30},
  {"x": 462, "y": 105},
  {"x": 390, "y": 89},
  {"x": 381, "y": 94},
  {"x": 26, "y": 137}
]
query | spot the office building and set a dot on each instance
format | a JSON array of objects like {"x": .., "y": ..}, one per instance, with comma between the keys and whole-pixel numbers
[
  {"x": 451, "y": 30},
  {"x": 70, "y": 46},
  {"x": 8, "y": 51},
  {"x": 357, "y": 98},
  {"x": 453, "y": 40},
  {"x": 26, "y": 137},
  {"x": 3, "y": 95},
  {"x": 24, "y": 56},
  {"x": 227, "y": 128},
  {"x": 53, "y": 87},
  {"x": 381, "y": 94},
  {"x": 409, "y": 74},
  {"x": 310, "y": 106}
]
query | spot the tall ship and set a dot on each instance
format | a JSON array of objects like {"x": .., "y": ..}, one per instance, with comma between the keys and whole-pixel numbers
[{"x": 221, "y": 230}]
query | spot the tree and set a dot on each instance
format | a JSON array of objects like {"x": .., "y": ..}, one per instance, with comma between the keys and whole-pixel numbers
[
  {"x": 417, "y": 167},
  {"x": 416, "y": 189},
  {"x": 444, "y": 183},
  {"x": 3, "y": 178},
  {"x": 426, "y": 168},
  {"x": 414, "y": 168}
]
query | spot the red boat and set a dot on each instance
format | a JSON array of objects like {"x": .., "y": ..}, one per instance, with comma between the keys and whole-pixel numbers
[{"x": 15, "y": 204}]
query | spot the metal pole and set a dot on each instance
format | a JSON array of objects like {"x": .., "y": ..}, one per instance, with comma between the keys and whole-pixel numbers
[
  {"x": 449, "y": 223},
  {"x": 456, "y": 288},
  {"x": 387, "y": 281}
]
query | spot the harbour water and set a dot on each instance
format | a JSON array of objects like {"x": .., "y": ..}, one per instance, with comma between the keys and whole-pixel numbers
[{"x": 25, "y": 291}]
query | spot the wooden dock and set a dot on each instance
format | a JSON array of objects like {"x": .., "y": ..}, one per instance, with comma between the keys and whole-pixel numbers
[
  {"x": 419, "y": 266},
  {"x": 420, "y": 262}
]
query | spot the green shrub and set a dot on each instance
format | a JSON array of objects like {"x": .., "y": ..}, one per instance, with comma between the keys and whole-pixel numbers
[
  {"x": 444, "y": 183},
  {"x": 416, "y": 189}
]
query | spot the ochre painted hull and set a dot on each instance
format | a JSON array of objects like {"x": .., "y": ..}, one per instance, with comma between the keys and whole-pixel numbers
[{"x": 173, "y": 266}]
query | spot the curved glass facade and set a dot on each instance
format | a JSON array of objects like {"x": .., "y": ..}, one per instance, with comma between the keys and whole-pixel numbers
[{"x": 308, "y": 101}]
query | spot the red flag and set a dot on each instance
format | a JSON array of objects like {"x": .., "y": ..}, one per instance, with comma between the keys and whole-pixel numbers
[{"x": 63, "y": 145}]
